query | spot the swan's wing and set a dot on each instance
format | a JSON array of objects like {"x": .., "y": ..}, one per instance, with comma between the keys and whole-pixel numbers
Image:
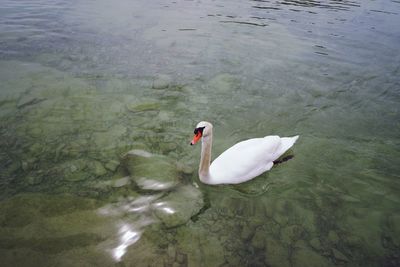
[{"x": 245, "y": 160}]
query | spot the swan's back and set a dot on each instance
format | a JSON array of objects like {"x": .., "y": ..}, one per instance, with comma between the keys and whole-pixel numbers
[
  {"x": 245, "y": 160},
  {"x": 248, "y": 159}
]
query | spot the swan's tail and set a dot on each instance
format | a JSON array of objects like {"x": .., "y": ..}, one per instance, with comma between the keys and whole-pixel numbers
[
  {"x": 279, "y": 161},
  {"x": 287, "y": 142}
]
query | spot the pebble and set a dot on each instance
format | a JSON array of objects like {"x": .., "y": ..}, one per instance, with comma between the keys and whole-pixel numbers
[
  {"x": 247, "y": 232},
  {"x": 112, "y": 165},
  {"x": 333, "y": 237},
  {"x": 258, "y": 239},
  {"x": 315, "y": 244},
  {"x": 35, "y": 148},
  {"x": 291, "y": 233},
  {"x": 25, "y": 166},
  {"x": 98, "y": 169},
  {"x": 339, "y": 255},
  {"x": 36, "y": 132},
  {"x": 180, "y": 257},
  {"x": 171, "y": 251},
  {"x": 34, "y": 180},
  {"x": 121, "y": 182}
]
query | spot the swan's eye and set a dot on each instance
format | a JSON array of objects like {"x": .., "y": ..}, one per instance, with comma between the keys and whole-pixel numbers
[{"x": 199, "y": 130}]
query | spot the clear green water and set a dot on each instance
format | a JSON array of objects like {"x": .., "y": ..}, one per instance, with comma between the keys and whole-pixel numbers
[{"x": 84, "y": 82}]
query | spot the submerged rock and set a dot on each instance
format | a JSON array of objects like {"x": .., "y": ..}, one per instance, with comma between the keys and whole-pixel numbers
[
  {"x": 108, "y": 139},
  {"x": 276, "y": 254},
  {"x": 291, "y": 233},
  {"x": 309, "y": 258},
  {"x": 49, "y": 228},
  {"x": 353, "y": 240},
  {"x": 112, "y": 165},
  {"x": 36, "y": 149},
  {"x": 282, "y": 211},
  {"x": 162, "y": 81},
  {"x": 25, "y": 166},
  {"x": 247, "y": 232},
  {"x": 179, "y": 206},
  {"x": 305, "y": 217},
  {"x": 394, "y": 225},
  {"x": 23, "y": 209},
  {"x": 339, "y": 255},
  {"x": 315, "y": 244},
  {"x": 121, "y": 182},
  {"x": 257, "y": 186},
  {"x": 35, "y": 131},
  {"x": 171, "y": 251},
  {"x": 75, "y": 170},
  {"x": 34, "y": 180},
  {"x": 150, "y": 171},
  {"x": 258, "y": 239},
  {"x": 201, "y": 248},
  {"x": 224, "y": 82},
  {"x": 333, "y": 237},
  {"x": 81, "y": 169},
  {"x": 97, "y": 168}
]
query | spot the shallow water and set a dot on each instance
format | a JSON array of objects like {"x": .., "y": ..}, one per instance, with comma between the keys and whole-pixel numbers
[{"x": 84, "y": 82}]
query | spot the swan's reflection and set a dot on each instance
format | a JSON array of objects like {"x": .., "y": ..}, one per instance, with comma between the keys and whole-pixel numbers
[
  {"x": 163, "y": 206},
  {"x": 150, "y": 184},
  {"x": 136, "y": 214},
  {"x": 128, "y": 236},
  {"x": 133, "y": 215}
]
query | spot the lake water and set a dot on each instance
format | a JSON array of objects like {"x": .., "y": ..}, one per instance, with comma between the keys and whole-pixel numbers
[{"x": 99, "y": 99}]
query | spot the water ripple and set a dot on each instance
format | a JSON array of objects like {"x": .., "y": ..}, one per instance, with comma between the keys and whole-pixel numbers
[{"x": 332, "y": 4}]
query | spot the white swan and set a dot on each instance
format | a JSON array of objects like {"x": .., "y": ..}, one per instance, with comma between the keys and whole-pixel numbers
[{"x": 243, "y": 161}]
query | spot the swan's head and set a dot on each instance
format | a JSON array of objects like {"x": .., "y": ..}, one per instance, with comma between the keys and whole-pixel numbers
[{"x": 203, "y": 129}]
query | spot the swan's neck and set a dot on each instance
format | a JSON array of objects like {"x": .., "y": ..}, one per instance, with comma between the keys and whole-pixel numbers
[{"x": 204, "y": 168}]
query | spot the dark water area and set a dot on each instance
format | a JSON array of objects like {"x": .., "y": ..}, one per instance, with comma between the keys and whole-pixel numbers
[{"x": 99, "y": 99}]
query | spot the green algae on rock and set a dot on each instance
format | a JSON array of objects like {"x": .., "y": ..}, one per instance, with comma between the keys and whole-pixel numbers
[{"x": 141, "y": 107}]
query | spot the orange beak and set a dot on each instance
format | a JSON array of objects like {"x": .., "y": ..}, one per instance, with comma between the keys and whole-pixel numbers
[{"x": 196, "y": 138}]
